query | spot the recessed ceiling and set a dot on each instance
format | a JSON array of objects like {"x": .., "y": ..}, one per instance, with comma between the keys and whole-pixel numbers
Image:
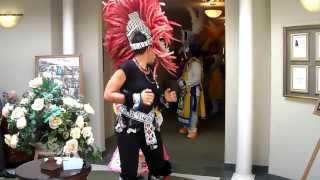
[{"x": 177, "y": 8}]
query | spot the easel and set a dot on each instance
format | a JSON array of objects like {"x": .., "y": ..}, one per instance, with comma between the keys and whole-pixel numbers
[{"x": 311, "y": 161}]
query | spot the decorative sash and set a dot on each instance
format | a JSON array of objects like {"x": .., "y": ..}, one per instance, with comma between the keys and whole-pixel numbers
[
  {"x": 137, "y": 115},
  {"x": 146, "y": 119}
]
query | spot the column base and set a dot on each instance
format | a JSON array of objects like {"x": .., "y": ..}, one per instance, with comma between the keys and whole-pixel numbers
[{"x": 237, "y": 176}]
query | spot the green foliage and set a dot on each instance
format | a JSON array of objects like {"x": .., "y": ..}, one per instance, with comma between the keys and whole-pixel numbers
[{"x": 50, "y": 118}]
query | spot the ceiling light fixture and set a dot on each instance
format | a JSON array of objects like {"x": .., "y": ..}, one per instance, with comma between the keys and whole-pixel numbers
[
  {"x": 9, "y": 20},
  {"x": 311, "y": 5},
  {"x": 213, "y": 13}
]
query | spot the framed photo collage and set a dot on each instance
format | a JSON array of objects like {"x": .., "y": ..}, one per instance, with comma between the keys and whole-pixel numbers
[{"x": 302, "y": 61}]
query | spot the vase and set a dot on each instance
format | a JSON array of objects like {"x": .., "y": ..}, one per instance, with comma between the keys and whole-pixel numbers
[{"x": 41, "y": 151}]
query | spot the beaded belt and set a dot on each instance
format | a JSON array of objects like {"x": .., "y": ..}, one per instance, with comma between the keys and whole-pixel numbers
[{"x": 146, "y": 119}]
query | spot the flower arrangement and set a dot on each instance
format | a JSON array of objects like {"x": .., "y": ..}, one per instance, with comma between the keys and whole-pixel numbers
[{"x": 45, "y": 116}]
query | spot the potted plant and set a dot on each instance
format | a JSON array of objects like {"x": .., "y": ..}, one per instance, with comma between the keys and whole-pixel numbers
[{"x": 46, "y": 120}]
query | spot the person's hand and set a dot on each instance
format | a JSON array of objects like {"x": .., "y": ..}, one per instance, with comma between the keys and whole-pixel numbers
[
  {"x": 170, "y": 96},
  {"x": 147, "y": 97}
]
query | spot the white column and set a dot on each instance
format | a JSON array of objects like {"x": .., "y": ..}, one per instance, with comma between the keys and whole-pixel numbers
[
  {"x": 245, "y": 93},
  {"x": 68, "y": 27}
]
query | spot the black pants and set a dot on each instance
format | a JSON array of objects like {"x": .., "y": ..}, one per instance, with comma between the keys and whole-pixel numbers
[{"x": 129, "y": 145}]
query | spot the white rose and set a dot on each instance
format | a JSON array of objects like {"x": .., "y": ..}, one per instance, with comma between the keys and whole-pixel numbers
[
  {"x": 71, "y": 147},
  {"x": 69, "y": 101},
  {"x": 90, "y": 141},
  {"x": 18, "y": 112},
  {"x": 80, "y": 121},
  {"x": 21, "y": 123},
  {"x": 31, "y": 94},
  {"x": 35, "y": 83},
  {"x": 6, "y": 110},
  {"x": 38, "y": 104},
  {"x": 7, "y": 139},
  {"x": 11, "y": 141},
  {"x": 14, "y": 141},
  {"x": 54, "y": 123},
  {"x": 24, "y": 101},
  {"x": 78, "y": 105},
  {"x": 60, "y": 83},
  {"x": 88, "y": 108},
  {"x": 87, "y": 132},
  {"x": 75, "y": 133},
  {"x": 47, "y": 75}
]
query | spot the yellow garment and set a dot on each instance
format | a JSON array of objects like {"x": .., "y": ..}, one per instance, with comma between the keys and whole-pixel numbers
[{"x": 186, "y": 111}]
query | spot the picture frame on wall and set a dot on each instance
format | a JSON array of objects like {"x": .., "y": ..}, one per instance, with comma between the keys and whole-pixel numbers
[
  {"x": 299, "y": 47},
  {"x": 66, "y": 68},
  {"x": 316, "y": 110},
  {"x": 317, "y": 46},
  {"x": 318, "y": 80},
  {"x": 299, "y": 78},
  {"x": 301, "y": 58}
]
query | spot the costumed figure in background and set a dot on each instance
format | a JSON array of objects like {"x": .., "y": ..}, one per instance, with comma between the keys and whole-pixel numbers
[
  {"x": 135, "y": 46},
  {"x": 216, "y": 85},
  {"x": 191, "y": 102}
]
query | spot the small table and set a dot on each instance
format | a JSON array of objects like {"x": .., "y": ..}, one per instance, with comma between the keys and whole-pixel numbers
[{"x": 31, "y": 171}]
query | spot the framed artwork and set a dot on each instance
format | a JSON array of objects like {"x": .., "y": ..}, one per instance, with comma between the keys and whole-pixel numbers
[
  {"x": 67, "y": 69},
  {"x": 316, "y": 110},
  {"x": 317, "y": 46},
  {"x": 299, "y": 78},
  {"x": 317, "y": 79},
  {"x": 299, "y": 46},
  {"x": 301, "y": 61}
]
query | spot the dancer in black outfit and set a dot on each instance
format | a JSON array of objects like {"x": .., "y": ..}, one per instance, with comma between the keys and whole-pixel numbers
[
  {"x": 137, "y": 46},
  {"x": 133, "y": 86}
]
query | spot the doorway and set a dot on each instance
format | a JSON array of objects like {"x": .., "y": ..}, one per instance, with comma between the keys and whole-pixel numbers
[{"x": 204, "y": 155}]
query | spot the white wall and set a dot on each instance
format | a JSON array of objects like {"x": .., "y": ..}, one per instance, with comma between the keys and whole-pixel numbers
[
  {"x": 261, "y": 80},
  {"x": 39, "y": 33},
  {"x": 88, "y": 27},
  {"x": 19, "y": 46},
  {"x": 294, "y": 130}
]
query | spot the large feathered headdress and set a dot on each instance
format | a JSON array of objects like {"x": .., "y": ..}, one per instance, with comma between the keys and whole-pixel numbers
[{"x": 116, "y": 17}]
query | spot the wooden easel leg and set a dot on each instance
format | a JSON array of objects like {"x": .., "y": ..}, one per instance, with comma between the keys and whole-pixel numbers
[{"x": 311, "y": 161}]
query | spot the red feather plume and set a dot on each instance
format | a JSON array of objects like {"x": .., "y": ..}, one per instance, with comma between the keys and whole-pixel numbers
[{"x": 115, "y": 16}]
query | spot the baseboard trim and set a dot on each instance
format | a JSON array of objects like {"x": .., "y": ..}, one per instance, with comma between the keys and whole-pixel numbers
[
  {"x": 237, "y": 176},
  {"x": 255, "y": 169}
]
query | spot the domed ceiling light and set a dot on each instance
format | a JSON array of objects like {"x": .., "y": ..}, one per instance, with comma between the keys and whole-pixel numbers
[{"x": 311, "y": 5}]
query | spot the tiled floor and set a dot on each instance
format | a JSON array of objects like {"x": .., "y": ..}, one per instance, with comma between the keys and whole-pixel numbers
[{"x": 203, "y": 156}]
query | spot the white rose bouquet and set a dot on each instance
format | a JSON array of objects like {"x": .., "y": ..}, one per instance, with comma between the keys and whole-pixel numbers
[{"x": 45, "y": 116}]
